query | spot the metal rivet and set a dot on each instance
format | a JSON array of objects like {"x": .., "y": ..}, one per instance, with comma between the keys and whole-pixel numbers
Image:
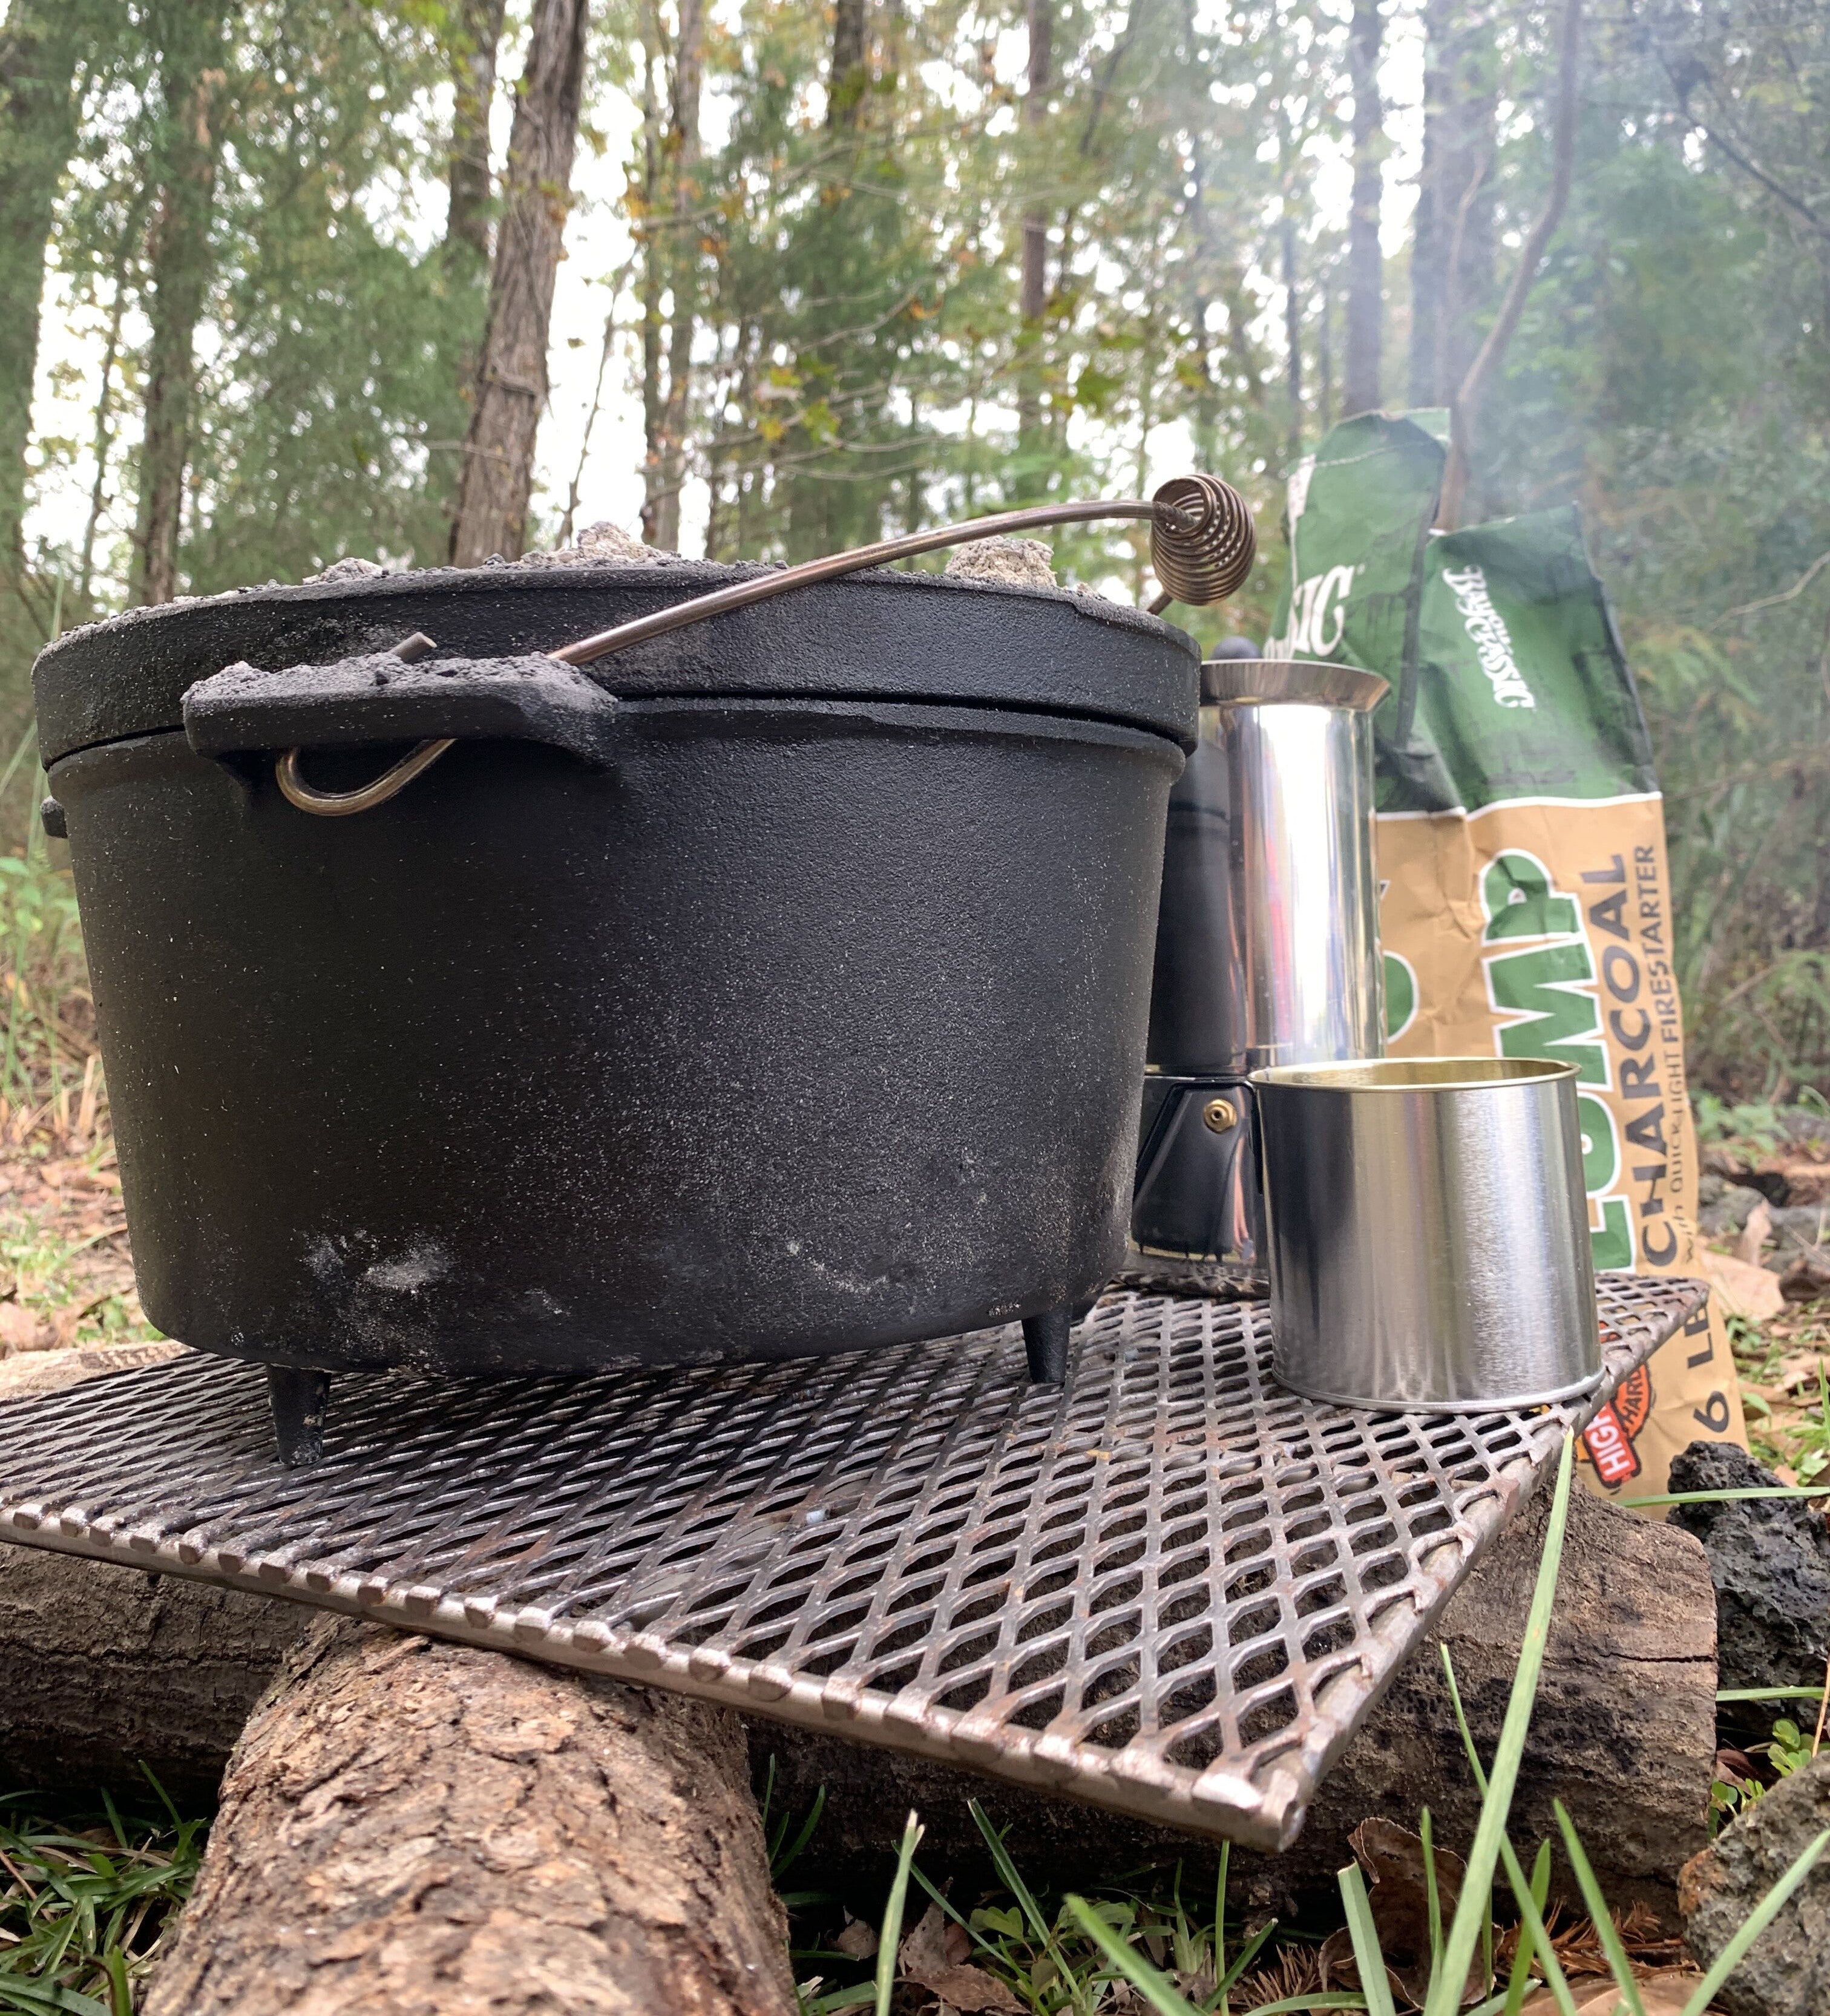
[{"x": 1221, "y": 1114}]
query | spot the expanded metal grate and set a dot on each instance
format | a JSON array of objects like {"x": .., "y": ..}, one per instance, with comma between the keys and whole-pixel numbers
[{"x": 1170, "y": 1588}]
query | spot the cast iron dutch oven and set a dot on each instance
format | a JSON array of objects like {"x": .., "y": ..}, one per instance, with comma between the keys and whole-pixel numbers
[{"x": 776, "y": 987}]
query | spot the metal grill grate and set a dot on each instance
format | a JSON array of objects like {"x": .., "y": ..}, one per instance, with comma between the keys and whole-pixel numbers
[{"x": 1171, "y": 1588}]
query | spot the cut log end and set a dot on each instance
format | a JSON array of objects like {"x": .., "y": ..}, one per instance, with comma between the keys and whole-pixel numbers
[{"x": 409, "y": 1827}]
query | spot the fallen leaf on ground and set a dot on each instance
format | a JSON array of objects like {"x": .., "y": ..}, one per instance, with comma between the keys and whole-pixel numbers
[
  {"x": 1755, "y": 1233},
  {"x": 1747, "y": 1290},
  {"x": 858, "y": 1941},
  {"x": 22, "y": 1329},
  {"x": 1393, "y": 1858},
  {"x": 1664, "y": 1994},
  {"x": 928, "y": 1959}
]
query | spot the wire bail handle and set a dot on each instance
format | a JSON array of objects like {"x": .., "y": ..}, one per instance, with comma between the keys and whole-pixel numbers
[{"x": 1202, "y": 546}]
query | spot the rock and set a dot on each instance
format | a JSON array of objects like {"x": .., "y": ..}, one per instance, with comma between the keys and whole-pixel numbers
[
  {"x": 1787, "y": 1971},
  {"x": 1807, "y": 1276},
  {"x": 1004, "y": 564},
  {"x": 1726, "y": 1206},
  {"x": 1770, "y": 1560},
  {"x": 1798, "y": 1233}
]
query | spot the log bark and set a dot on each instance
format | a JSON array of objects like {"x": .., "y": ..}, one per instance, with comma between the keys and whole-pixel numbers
[
  {"x": 497, "y": 473},
  {"x": 414, "y": 1829}
]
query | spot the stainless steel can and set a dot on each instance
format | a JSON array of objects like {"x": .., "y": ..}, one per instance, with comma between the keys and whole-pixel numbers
[{"x": 1428, "y": 1233}]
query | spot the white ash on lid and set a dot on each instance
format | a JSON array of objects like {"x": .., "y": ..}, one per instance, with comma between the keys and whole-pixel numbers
[
  {"x": 601, "y": 545},
  {"x": 1004, "y": 564},
  {"x": 349, "y": 569}
]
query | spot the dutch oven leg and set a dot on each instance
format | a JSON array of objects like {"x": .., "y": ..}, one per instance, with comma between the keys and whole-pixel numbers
[
  {"x": 1045, "y": 1338},
  {"x": 299, "y": 1400}
]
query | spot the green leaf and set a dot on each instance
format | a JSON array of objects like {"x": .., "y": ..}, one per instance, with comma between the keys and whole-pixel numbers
[{"x": 1757, "y": 1921}]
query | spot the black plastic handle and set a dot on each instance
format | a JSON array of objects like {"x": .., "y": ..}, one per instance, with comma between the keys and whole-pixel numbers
[{"x": 354, "y": 702}]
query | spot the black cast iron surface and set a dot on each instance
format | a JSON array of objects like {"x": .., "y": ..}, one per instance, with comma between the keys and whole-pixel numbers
[{"x": 1171, "y": 1589}]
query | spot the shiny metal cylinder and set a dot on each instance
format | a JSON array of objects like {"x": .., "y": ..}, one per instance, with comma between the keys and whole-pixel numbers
[
  {"x": 1267, "y": 937},
  {"x": 1428, "y": 1233}
]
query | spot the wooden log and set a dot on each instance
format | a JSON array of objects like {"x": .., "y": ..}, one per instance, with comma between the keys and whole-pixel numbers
[{"x": 415, "y": 1829}]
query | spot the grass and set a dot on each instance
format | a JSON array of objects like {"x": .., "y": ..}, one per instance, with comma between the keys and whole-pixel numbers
[{"x": 86, "y": 1901}]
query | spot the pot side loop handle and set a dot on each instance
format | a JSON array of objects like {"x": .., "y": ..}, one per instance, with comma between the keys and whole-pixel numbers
[
  {"x": 1202, "y": 546},
  {"x": 395, "y": 778}
]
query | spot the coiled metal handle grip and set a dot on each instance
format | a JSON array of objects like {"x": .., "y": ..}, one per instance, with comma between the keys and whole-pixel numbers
[{"x": 1201, "y": 547}]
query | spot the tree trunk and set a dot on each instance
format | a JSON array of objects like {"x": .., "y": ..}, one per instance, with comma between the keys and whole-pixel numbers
[
  {"x": 476, "y": 36},
  {"x": 1292, "y": 337},
  {"x": 188, "y": 35},
  {"x": 654, "y": 145},
  {"x": 1452, "y": 255},
  {"x": 1366, "y": 266},
  {"x": 683, "y": 154},
  {"x": 1033, "y": 297},
  {"x": 498, "y": 474},
  {"x": 850, "y": 77},
  {"x": 37, "y": 132},
  {"x": 1465, "y": 413},
  {"x": 412, "y": 1829}
]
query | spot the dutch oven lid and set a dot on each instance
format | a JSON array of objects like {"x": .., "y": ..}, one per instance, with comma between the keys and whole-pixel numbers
[{"x": 872, "y": 635}]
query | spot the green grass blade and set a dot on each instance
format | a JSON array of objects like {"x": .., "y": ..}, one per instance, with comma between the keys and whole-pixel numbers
[
  {"x": 1218, "y": 2000},
  {"x": 1473, "y": 1912},
  {"x": 1474, "y": 1756},
  {"x": 767, "y": 1802},
  {"x": 1602, "y": 1919},
  {"x": 1247, "y": 1953},
  {"x": 1435, "y": 1894},
  {"x": 1759, "y": 1919},
  {"x": 783, "y": 1860},
  {"x": 1532, "y": 1912},
  {"x": 1297, "y": 2002},
  {"x": 1367, "y": 1956},
  {"x": 1770, "y": 1694},
  {"x": 1518, "y": 1981},
  {"x": 1162, "y": 1995},
  {"x": 890, "y": 1937},
  {"x": 1012, "y": 1881},
  {"x": 1730, "y": 1497}
]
